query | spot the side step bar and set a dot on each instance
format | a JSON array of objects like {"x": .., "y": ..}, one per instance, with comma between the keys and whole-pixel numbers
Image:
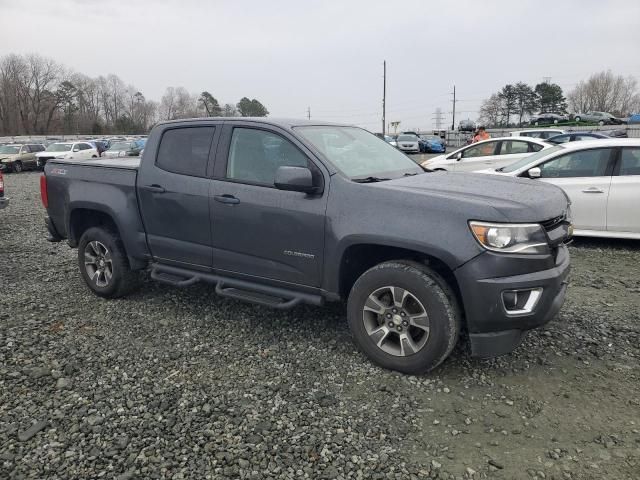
[{"x": 275, "y": 297}]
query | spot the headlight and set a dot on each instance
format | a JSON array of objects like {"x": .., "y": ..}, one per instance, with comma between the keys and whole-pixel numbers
[{"x": 511, "y": 237}]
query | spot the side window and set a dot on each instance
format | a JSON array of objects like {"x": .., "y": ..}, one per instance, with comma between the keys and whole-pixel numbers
[
  {"x": 587, "y": 163},
  {"x": 481, "y": 150},
  {"x": 255, "y": 155},
  {"x": 562, "y": 139},
  {"x": 185, "y": 151},
  {"x": 534, "y": 147},
  {"x": 25, "y": 149},
  {"x": 630, "y": 161},
  {"x": 513, "y": 146},
  {"x": 85, "y": 146}
]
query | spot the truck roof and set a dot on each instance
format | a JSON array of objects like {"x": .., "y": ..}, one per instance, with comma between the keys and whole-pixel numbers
[{"x": 280, "y": 122}]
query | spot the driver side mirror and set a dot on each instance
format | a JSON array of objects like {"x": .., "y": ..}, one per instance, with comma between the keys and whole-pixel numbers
[
  {"x": 457, "y": 156},
  {"x": 294, "y": 179},
  {"x": 534, "y": 172}
]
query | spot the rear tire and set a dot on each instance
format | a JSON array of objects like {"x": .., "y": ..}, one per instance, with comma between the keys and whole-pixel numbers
[
  {"x": 17, "y": 166},
  {"x": 104, "y": 265},
  {"x": 577, "y": 119},
  {"x": 601, "y": 123},
  {"x": 416, "y": 321}
]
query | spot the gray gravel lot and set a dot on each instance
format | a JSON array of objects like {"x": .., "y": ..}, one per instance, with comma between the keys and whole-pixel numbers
[{"x": 174, "y": 383}]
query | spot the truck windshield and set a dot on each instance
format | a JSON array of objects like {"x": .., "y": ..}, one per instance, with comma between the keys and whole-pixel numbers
[
  {"x": 9, "y": 149},
  {"x": 523, "y": 162},
  {"x": 59, "y": 147},
  {"x": 358, "y": 153}
]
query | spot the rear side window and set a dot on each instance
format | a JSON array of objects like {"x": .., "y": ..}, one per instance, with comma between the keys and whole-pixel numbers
[
  {"x": 586, "y": 163},
  {"x": 185, "y": 151},
  {"x": 85, "y": 146},
  {"x": 513, "y": 146},
  {"x": 630, "y": 161}
]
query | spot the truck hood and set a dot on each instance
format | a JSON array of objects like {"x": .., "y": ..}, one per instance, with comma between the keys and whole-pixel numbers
[{"x": 516, "y": 199}]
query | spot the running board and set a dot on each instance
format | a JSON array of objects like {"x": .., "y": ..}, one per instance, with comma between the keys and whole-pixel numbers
[{"x": 274, "y": 297}]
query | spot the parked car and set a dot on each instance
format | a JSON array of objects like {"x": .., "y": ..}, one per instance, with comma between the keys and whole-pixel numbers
[
  {"x": 618, "y": 133},
  {"x": 634, "y": 119},
  {"x": 466, "y": 126},
  {"x": 257, "y": 208},
  {"x": 601, "y": 177},
  {"x": 391, "y": 140},
  {"x": 67, "y": 150},
  {"x": 16, "y": 157},
  {"x": 409, "y": 143},
  {"x": 129, "y": 148},
  {"x": 548, "y": 119},
  {"x": 542, "y": 133},
  {"x": 574, "y": 137},
  {"x": 4, "y": 200},
  {"x": 601, "y": 118},
  {"x": 496, "y": 152},
  {"x": 432, "y": 144}
]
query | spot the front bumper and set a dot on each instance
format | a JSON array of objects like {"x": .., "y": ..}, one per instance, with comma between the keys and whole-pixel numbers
[
  {"x": 4, "y": 201},
  {"x": 492, "y": 329}
]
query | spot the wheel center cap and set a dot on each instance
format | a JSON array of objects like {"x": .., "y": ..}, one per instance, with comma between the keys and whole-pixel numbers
[{"x": 397, "y": 319}]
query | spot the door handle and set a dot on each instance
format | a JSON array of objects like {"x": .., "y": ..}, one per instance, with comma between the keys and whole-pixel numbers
[
  {"x": 228, "y": 199},
  {"x": 593, "y": 190},
  {"x": 154, "y": 188}
]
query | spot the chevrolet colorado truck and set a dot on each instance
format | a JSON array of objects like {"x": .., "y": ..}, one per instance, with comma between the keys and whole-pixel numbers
[{"x": 280, "y": 213}]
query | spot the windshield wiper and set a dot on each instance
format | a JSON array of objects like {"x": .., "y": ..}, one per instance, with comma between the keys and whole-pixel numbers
[
  {"x": 499, "y": 169},
  {"x": 408, "y": 174},
  {"x": 369, "y": 179}
]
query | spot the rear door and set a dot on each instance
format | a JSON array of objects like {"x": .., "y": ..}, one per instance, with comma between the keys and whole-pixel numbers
[
  {"x": 585, "y": 176},
  {"x": 511, "y": 151},
  {"x": 623, "y": 211},
  {"x": 258, "y": 230},
  {"x": 173, "y": 193}
]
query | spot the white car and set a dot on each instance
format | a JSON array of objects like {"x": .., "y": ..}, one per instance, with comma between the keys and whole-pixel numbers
[
  {"x": 541, "y": 133},
  {"x": 408, "y": 143},
  {"x": 67, "y": 150},
  {"x": 495, "y": 152},
  {"x": 601, "y": 177}
]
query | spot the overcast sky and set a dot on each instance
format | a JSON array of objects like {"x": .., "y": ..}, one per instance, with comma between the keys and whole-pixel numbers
[{"x": 327, "y": 55}]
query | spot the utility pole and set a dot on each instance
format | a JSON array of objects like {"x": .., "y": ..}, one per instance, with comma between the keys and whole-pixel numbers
[
  {"x": 384, "y": 95},
  {"x": 453, "y": 122},
  {"x": 438, "y": 117},
  {"x": 309, "y": 113}
]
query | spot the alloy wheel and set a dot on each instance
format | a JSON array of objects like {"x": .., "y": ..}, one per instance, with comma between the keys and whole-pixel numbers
[
  {"x": 98, "y": 263},
  {"x": 396, "y": 321}
]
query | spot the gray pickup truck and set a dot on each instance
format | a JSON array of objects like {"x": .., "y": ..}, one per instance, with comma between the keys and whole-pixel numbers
[{"x": 281, "y": 213}]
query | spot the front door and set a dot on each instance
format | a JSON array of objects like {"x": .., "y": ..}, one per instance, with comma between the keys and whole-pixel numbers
[
  {"x": 586, "y": 178},
  {"x": 477, "y": 157},
  {"x": 624, "y": 197},
  {"x": 173, "y": 191},
  {"x": 258, "y": 230}
]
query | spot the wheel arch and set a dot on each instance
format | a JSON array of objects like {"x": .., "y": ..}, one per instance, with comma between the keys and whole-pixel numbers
[{"x": 359, "y": 257}]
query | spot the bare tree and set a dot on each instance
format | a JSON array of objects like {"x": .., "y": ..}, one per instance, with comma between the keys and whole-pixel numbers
[
  {"x": 491, "y": 110},
  {"x": 605, "y": 92}
]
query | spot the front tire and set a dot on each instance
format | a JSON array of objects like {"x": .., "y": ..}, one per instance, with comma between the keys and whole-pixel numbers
[
  {"x": 104, "y": 265},
  {"x": 404, "y": 316},
  {"x": 17, "y": 166},
  {"x": 577, "y": 119}
]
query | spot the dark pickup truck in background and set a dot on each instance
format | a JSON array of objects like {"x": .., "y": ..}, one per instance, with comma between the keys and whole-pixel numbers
[{"x": 287, "y": 212}]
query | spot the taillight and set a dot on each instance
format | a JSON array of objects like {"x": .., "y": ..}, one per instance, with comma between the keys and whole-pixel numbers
[
  {"x": 1, "y": 185},
  {"x": 43, "y": 191}
]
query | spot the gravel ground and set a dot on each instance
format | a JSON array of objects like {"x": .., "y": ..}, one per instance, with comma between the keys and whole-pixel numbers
[{"x": 172, "y": 383}]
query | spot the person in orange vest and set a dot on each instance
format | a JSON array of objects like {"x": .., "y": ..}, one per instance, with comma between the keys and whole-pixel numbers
[{"x": 481, "y": 135}]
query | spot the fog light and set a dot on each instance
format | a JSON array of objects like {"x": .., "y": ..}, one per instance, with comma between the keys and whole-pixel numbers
[{"x": 518, "y": 302}]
